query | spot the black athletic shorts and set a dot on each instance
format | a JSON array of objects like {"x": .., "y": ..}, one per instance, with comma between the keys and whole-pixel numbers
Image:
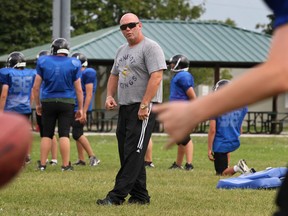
[
  {"x": 60, "y": 112},
  {"x": 220, "y": 162}
]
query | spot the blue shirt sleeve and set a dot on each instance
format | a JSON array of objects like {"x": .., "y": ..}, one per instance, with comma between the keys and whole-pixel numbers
[{"x": 4, "y": 75}]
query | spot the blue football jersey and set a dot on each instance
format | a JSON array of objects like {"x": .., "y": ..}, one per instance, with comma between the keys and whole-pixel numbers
[
  {"x": 20, "y": 83},
  {"x": 58, "y": 75},
  {"x": 88, "y": 76},
  {"x": 40, "y": 93},
  {"x": 179, "y": 85},
  {"x": 228, "y": 130}
]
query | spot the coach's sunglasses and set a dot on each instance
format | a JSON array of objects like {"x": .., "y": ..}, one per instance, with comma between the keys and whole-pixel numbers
[{"x": 129, "y": 25}]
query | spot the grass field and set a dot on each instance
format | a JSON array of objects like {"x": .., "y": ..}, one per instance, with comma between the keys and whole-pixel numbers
[{"x": 173, "y": 192}]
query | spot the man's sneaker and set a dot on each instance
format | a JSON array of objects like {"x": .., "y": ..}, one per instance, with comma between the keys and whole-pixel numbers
[
  {"x": 93, "y": 161},
  {"x": 149, "y": 164},
  {"x": 67, "y": 168},
  {"x": 40, "y": 167},
  {"x": 80, "y": 163},
  {"x": 175, "y": 166},
  {"x": 53, "y": 162},
  {"x": 133, "y": 200},
  {"x": 243, "y": 166},
  {"x": 108, "y": 201},
  {"x": 188, "y": 167}
]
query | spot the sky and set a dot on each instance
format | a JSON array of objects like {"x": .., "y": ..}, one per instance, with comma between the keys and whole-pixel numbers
[{"x": 246, "y": 13}]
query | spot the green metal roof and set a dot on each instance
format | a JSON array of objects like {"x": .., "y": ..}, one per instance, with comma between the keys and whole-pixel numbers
[{"x": 204, "y": 43}]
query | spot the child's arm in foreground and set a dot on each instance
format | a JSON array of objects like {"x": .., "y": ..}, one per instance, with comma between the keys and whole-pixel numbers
[{"x": 263, "y": 81}]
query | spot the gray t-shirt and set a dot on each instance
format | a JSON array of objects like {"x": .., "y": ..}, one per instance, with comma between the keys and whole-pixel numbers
[{"x": 134, "y": 65}]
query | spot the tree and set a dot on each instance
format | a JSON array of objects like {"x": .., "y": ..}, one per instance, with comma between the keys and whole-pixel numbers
[
  {"x": 24, "y": 24},
  {"x": 97, "y": 14},
  {"x": 204, "y": 76},
  {"x": 225, "y": 74},
  {"x": 267, "y": 28},
  {"x": 228, "y": 22}
]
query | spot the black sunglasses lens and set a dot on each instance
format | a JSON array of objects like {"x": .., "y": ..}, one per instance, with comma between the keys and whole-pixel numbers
[
  {"x": 129, "y": 25},
  {"x": 123, "y": 27}
]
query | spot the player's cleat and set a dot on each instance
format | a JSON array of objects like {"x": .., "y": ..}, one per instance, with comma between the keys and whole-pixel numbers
[
  {"x": 149, "y": 164},
  {"x": 243, "y": 166},
  {"x": 53, "y": 162},
  {"x": 80, "y": 163},
  {"x": 108, "y": 201},
  {"x": 175, "y": 166},
  {"x": 252, "y": 170},
  {"x": 67, "y": 168},
  {"x": 188, "y": 167},
  {"x": 40, "y": 167},
  {"x": 93, "y": 161}
]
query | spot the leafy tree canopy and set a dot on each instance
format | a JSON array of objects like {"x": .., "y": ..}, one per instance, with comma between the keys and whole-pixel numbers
[
  {"x": 267, "y": 28},
  {"x": 25, "y": 24}
]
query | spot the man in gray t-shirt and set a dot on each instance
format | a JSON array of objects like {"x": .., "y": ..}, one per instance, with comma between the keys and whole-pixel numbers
[
  {"x": 133, "y": 66},
  {"x": 137, "y": 78}
]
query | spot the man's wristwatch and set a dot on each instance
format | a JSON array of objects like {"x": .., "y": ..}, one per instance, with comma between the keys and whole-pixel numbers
[{"x": 143, "y": 106}]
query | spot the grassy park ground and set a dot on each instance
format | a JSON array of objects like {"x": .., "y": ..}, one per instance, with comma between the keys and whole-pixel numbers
[{"x": 173, "y": 192}]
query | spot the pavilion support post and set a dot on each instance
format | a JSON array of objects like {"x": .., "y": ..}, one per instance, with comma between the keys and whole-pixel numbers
[{"x": 216, "y": 74}]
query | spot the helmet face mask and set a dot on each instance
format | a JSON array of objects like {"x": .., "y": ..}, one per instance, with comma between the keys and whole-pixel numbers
[
  {"x": 220, "y": 84},
  {"x": 82, "y": 58},
  {"x": 60, "y": 46},
  {"x": 16, "y": 60},
  {"x": 179, "y": 62}
]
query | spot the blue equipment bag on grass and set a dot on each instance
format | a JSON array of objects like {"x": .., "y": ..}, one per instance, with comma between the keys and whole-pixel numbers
[{"x": 266, "y": 179}]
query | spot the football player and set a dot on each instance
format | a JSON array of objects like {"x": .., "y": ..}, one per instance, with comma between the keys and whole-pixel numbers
[
  {"x": 89, "y": 85},
  {"x": 182, "y": 89},
  {"x": 60, "y": 75},
  {"x": 54, "y": 147},
  {"x": 16, "y": 95}
]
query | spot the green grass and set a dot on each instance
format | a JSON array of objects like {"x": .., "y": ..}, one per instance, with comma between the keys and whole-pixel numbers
[{"x": 173, "y": 192}]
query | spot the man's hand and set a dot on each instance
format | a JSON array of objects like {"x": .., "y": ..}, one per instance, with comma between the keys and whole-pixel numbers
[
  {"x": 143, "y": 113},
  {"x": 39, "y": 110},
  {"x": 210, "y": 155},
  {"x": 110, "y": 103},
  {"x": 84, "y": 118},
  {"x": 79, "y": 115}
]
